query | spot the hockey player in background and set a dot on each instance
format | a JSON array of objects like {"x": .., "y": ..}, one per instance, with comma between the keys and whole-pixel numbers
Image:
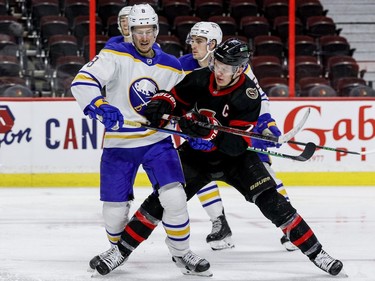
[
  {"x": 132, "y": 73},
  {"x": 221, "y": 94},
  {"x": 123, "y": 26},
  {"x": 203, "y": 38}
]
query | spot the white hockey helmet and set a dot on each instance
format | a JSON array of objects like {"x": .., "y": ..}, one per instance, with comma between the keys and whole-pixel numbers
[
  {"x": 209, "y": 30},
  {"x": 141, "y": 15},
  {"x": 125, "y": 11}
]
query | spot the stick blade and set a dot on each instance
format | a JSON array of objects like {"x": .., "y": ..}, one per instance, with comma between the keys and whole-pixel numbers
[{"x": 307, "y": 153}]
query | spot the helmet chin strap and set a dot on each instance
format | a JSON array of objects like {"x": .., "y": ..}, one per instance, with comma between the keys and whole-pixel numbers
[
  {"x": 208, "y": 52},
  {"x": 206, "y": 56}
]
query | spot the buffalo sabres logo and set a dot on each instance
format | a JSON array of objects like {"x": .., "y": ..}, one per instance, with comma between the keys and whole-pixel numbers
[
  {"x": 141, "y": 91},
  {"x": 252, "y": 93}
]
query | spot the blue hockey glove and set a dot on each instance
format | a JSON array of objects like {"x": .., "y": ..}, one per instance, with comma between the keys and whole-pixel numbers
[
  {"x": 200, "y": 144},
  {"x": 161, "y": 103},
  {"x": 266, "y": 125},
  {"x": 109, "y": 115}
]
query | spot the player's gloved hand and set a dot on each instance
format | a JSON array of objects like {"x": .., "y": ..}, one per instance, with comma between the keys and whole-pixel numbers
[
  {"x": 109, "y": 115},
  {"x": 266, "y": 125},
  {"x": 161, "y": 103},
  {"x": 191, "y": 128},
  {"x": 200, "y": 144}
]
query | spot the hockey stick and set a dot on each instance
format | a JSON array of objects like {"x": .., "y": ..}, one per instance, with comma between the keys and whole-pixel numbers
[
  {"x": 281, "y": 139},
  {"x": 335, "y": 149},
  {"x": 304, "y": 156}
]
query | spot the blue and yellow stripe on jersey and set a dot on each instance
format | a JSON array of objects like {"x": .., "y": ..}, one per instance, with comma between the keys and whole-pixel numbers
[{"x": 178, "y": 232}]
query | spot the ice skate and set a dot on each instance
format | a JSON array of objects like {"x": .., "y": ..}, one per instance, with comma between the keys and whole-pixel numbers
[
  {"x": 110, "y": 261},
  {"x": 221, "y": 236},
  {"x": 96, "y": 260},
  {"x": 327, "y": 263},
  {"x": 289, "y": 246},
  {"x": 192, "y": 264}
]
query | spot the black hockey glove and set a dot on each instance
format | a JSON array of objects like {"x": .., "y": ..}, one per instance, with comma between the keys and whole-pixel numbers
[
  {"x": 189, "y": 126},
  {"x": 161, "y": 103}
]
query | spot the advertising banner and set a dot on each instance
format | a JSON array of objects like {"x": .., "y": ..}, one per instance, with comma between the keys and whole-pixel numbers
[{"x": 53, "y": 136}]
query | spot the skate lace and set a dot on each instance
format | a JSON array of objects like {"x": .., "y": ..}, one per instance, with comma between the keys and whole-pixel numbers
[
  {"x": 191, "y": 258},
  {"x": 106, "y": 253},
  {"x": 216, "y": 226},
  {"x": 114, "y": 259},
  {"x": 323, "y": 260}
]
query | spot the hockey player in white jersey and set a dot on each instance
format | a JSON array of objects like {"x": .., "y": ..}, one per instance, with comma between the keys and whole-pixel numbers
[
  {"x": 203, "y": 38},
  {"x": 123, "y": 26},
  {"x": 132, "y": 73}
]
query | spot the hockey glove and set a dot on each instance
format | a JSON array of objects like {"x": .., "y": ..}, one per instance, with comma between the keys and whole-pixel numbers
[
  {"x": 161, "y": 103},
  {"x": 188, "y": 125},
  {"x": 266, "y": 125},
  {"x": 109, "y": 115},
  {"x": 200, "y": 144}
]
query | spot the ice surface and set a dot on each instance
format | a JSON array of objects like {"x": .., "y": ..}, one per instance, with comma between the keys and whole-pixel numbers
[{"x": 50, "y": 234}]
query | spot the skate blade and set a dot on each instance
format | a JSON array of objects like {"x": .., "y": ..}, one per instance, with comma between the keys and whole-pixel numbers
[
  {"x": 95, "y": 273},
  {"x": 342, "y": 274},
  {"x": 206, "y": 273},
  {"x": 226, "y": 243},
  {"x": 90, "y": 270}
]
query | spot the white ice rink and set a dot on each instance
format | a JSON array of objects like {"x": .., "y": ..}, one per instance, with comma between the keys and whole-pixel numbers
[{"x": 50, "y": 234}]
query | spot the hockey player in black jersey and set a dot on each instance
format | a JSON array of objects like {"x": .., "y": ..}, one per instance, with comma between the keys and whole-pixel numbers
[{"x": 221, "y": 94}]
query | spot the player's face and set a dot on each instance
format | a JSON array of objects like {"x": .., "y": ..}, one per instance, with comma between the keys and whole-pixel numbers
[
  {"x": 124, "y": 25},
  {"x": 198, "y": 47},
  {"x": 143, "y": 39},
  {"x": 225, "y": 74}
]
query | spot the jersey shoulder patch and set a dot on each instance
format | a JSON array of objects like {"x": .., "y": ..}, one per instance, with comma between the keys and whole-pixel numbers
[{"x": 252, "y": 93}]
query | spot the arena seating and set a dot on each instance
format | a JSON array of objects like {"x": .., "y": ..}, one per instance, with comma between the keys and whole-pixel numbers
[{"x": 35, "y": 34}]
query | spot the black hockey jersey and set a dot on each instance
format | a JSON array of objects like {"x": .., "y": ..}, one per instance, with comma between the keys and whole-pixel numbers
[{"x": 236, "y": 106}]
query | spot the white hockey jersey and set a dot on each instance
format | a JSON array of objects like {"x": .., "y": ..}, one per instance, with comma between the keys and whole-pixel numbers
[
  {"x": 265, "y": 108},
  {"x": 130, "y": 81}
]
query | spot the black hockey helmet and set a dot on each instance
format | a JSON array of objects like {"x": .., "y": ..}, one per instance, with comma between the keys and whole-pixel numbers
[{"x": 233, "y": 52}]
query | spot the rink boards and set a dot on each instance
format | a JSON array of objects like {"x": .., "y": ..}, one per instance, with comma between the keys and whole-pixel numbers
[{"x": 50, "y": 142}]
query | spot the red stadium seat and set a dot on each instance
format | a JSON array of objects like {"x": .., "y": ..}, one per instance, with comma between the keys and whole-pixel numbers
[
  {"x": 266, "y": 66},
  {"x": 205, "y": 9},
  {"x": 346, "y": 84},
  {"x": 174, "y": 8},
  {"x": 307, "y": 66},
  {"x": 317, "y": 26},
  {"x": 182, "y": 26},
  {"x": 170, "y": 44},
  {"x": 8, "y": 45},
  {"x": 275, "y": 8},
  {"x": 61, "y": 45},
  {"x": 275, "y": 86},
  {"x": 81, "y": 28},
  {"x": 41, "y": 8},
  {"x": 268, "y": 45},
  {"x": 9, "y": 66},
  {"x": 334, "y": 45},
  {"x": 227, "y": 24},
  {"x": 53, "y": 25},
  {"x": 341, "y": 66},
  {"x": 309, "y": 8},
  {"x": 107, "y": 8},
  {"x": 241, "y": 8},
  {"x": 307, "y": 83},
  {"x": 75, "y": 8},
  {"x": 281, "y": 27},
  {"x": 252, "y": 26}
]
